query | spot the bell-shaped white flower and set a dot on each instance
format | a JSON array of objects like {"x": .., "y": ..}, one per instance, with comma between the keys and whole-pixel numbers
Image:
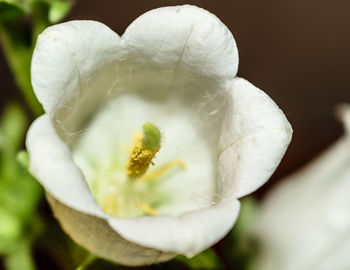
[
  {"x": 175, "y": 67},
  {"x": 305, "y": 222}
]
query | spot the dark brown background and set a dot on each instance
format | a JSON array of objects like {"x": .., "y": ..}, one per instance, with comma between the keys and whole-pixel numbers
[{"x": 295, "y": 50}]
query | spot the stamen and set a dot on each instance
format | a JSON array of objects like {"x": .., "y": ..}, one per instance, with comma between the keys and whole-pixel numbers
[
  {"x": 147, "y": 209},
  {"x": 108, "y": 203},
  {"x": 157, "y": 174},
  {"x": 132, "y": 197},
  {"x": 145, "y": 146}
]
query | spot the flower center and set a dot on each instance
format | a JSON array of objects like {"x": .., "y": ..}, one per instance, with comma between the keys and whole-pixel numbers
[
  {"x": 134, "y": 192},
  {"x": 134, "y": 170}
]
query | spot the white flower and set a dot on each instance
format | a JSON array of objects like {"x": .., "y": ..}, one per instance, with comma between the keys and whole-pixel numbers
[
  {"x": 175, "y": 67},
  {"x": 305, "y": 222}
]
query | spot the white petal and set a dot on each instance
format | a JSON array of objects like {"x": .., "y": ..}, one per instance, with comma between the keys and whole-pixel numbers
[
  {"x": 188, "y": 234},
  {"x": 68, "y": 58},
  {"x": 304, "y": 223},
  {"x": 51, "y": 163},
  {"x": 337, "y": 258},
  {"x": 254, "y": 138},
  {"x": 99, "y": 237},
  {"x": 159, "y": 237},
  {"x": 72, "y": 202},
  {"x": 183, "y": 38}
]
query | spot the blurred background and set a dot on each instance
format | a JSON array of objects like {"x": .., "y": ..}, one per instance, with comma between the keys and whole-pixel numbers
[{"x": 296, "y": 51}]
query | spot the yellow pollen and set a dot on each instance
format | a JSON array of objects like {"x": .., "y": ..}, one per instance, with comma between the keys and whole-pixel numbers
[
  {"x": 132, "y": 194},
  {"x": 140, "y": 157}
]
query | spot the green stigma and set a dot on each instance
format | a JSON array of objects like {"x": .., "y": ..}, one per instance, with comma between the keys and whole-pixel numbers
[{"x": 152, "y": 136}]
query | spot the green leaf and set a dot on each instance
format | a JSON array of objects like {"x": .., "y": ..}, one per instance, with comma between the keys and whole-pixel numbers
[
  {"x": 19, "y": 197},
  {"x": 23, "y": 159},
  {"x": 19, "y": 192},
  {"x": 17, "y": 183},
  {"x": 205, "y": 260},
  {"x": 12, "y": 127},
  {"x": 10, "y": 10},
  {"x": 10, "y": 230},
  {"x": 20, "y": 258},
  {"x": 58, "y": 10},
  {"x": 241, "y": 246},
  {"x": 18, "y": 48},
  {"x": 247, "y": 216}
]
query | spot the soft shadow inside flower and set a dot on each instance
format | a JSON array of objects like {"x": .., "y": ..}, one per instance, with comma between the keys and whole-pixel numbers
[{"x": 182, "y": 176}]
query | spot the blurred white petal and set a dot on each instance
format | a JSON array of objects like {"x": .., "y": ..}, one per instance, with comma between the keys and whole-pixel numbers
[{"x": 305, "y": 222}]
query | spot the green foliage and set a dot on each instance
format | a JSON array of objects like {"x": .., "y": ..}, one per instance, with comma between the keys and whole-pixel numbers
[
  {"x": 10, "y": 10},
  {"x": 18, "y": 44},
  {"x": 10, "y": 229},
  {"x": 58, "y": 10},
  {"x": 240, "y": 247},
  {"x": 205, "y": 261},
  {"x": 12, "y": 129},
  {"x": 21, "y": 21},
  {"x": 19, "y": 192},
  {"x": 23, "y": 159},
  {"x": 248, "y": 213},
  {"x": 20, "y": 258}
]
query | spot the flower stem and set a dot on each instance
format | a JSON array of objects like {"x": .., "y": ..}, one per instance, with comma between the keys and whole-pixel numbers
[{"x": 88, "y": 260}]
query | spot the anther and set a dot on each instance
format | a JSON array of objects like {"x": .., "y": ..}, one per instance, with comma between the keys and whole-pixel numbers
[{"x": 144, "y": 148}]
